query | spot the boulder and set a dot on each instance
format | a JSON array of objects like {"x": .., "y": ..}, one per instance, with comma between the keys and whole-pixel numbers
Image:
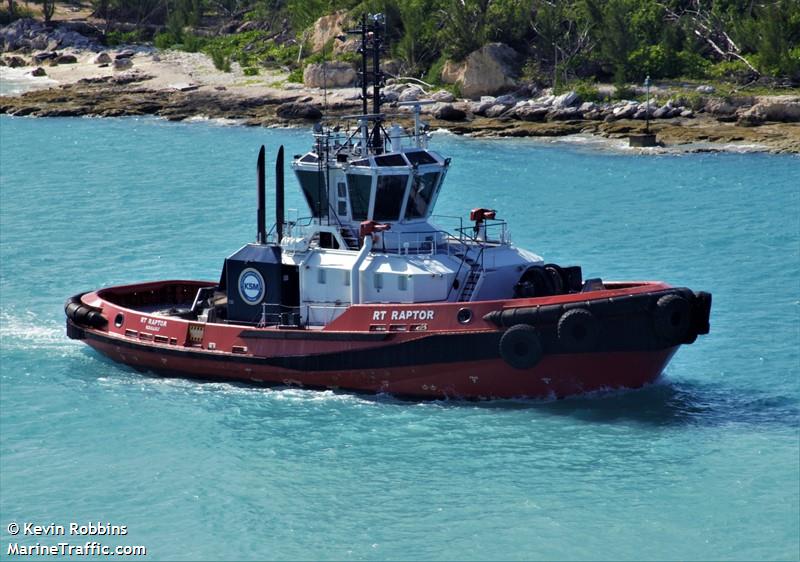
[
  {"x": 122, "y": 64},
  {"x": 563, "y": 113},
  {"x": 443, "y": 96},
  {"x": 507, "y": 99},
  {"x": 787, "y": 112},
  {"x": 124, "y": 54},
  {"x": 625, "y": 111},
  {"x": 327, "y": 28},
  {"x": 102, "y": 58},
  {"x": 705, "y": 89},
  {"x": 295, "y": 110},
  {"x": 569, "y": 99},
  {"x": 496, "y": 110},
  {"x": 65, "y": 59},
  {"x": 47, "y": 55},
  {"x": 720, "y": 108},
  {"x": 412, "y": 93},
  {"x": 492, "y": 69},
  {"x": 482, "y": 106},
  {"x": 529, "y": 113},
  {"x": 662, "y": 112},
  {"x": 329, "y": 74},
  {"x": 449, "y": 112},
  {"x": 15, "y": 62},
  {"x": 38, "y": 71}
]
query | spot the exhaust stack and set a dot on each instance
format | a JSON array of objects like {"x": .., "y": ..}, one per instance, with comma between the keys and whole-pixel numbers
[
  {"x": 279, "y": 211},
  {"x": 261, "y": 237}
]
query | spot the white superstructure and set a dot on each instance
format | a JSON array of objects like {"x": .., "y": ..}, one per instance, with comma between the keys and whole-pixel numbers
[{"x": 371, "y": 236}]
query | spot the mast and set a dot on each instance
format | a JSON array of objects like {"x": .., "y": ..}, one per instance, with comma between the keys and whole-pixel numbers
[{"x": 371, "y": 32}]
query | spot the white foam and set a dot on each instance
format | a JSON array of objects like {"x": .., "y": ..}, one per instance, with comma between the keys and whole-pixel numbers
[
  {"x": 27, "y": 331},
  {"x": 15, "y": 81}
]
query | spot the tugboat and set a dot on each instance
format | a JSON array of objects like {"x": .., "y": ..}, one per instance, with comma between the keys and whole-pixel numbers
[{"x": 367, "y": 294}]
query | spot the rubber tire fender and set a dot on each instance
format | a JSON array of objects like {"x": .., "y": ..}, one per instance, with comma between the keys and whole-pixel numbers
[
  {"x": 578, "y": 330},
  {"x": 521, "y": 347},
  {"x": 672, "y": 318}
]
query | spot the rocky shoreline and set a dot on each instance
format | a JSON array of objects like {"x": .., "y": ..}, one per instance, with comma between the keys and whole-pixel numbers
[{"x": 86, "y": 80}]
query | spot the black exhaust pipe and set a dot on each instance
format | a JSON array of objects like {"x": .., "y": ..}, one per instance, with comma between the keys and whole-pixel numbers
[
  {"x": 261, "y": 219},
  {"x": 279, "y": 194}
]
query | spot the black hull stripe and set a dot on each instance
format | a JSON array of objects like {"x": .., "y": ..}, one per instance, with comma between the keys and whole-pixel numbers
[{"x": 432, "y": 349}]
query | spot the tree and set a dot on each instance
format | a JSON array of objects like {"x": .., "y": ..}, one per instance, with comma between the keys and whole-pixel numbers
[
  {"x": 418, "y": 45},
  {"x": 463, "y": 26},
  {"x": 48, "y": 8},
  {"x": 561, "y": 35}
]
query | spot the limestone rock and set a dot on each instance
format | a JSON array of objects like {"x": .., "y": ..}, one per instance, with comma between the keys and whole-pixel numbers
[
  {"x": 122, "y": 64},
  {"x": 412, "y": 93},
  {"x": 327, "y": 28},
  {"x": 15, "y": 62},
  {"x": 331, "y": 74},
  {"x": 295, "y": 110},
  {"x": 568, "y": 99},
  {"x": 496, "y": 110},
  {"x": 65, "y": 59},
  {"x": 38, "y": 71},
  {"x": 528, "y": 113},
  {"x": 492, "y": 69},
  {"x": 787, "y": 112},
  {"x": 720, "y": 108},
  {"x": 449, "y": 112},
  {"x": 563, "y": 113},
  {"x": 102, "y": 58},
  {"x": 705, "y": 89},
  {"x": 443, "y": 96}
]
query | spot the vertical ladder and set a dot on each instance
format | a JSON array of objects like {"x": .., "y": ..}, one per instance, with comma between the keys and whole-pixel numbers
[
  {"x": 350, "y": 238},
  {"x": 473, "y": 277}
]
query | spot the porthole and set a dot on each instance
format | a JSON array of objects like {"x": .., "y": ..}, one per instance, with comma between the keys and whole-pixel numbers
[
  {"x": 464, "y": 316},
  {"x": 119, "y": 319}
]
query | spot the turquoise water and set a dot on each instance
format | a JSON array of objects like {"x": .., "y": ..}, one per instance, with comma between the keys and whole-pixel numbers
[{"x": 703, "y": 465}]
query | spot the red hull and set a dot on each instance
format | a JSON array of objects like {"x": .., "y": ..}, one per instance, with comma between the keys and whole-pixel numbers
[
  {"x": 555, "y": 376},
  {"x": 417, "y": 350}
]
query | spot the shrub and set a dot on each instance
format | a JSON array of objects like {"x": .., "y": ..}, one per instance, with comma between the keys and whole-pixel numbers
[
  {"x": 623, "y": 92},
  {"x": 296, "y": 76},
  {"x": 434, "y": 73},
  {"x": 735, "y": 70},
  {"x": 251, "y": 48},
  {"x": 220, "y": 60},
  {"x": 693, "y": 65},
  {"x": 164, "y": 40},
  {"x": 250, "y": 71},
  {"x": 114, "y": 37},
  {"x": 586, "y": 89},
  {"x": 192, "y": 43}
]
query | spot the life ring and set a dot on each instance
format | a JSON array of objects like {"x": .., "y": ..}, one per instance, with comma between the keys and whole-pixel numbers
[
  {"x": 672, "y": 318},
  {"x": 520, "y": 347},
  {"x": 578, "y": 330}
]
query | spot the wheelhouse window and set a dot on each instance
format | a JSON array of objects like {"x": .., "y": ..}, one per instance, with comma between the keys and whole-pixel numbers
[
  {"x": 391, "y": 160},
  {"x": 313, "y": 186},
  {"x": 359, "y": 186},
  {"x": 420, "y": 157},
  {"x": 389, "y": 197},
  {"x": 423, "y": 187}
]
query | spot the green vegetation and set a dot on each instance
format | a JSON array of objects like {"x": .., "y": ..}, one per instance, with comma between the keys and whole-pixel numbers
[{"x": 559, "y": 41}]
